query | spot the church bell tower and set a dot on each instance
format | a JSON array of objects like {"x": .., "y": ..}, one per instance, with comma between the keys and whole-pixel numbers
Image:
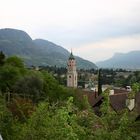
[{"x": 71, "y": 72}]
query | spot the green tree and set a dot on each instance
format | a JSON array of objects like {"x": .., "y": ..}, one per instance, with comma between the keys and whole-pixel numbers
[
  {"x": 136, "y": 87},
  {"x": 99, "y": 82},
  {"x": 53, "y": 122},
  {"x": 30, "y": 86},
  {"x": 53, "y": 90},
  {"x": 6, "y": 121},
  {"x": 2, "y": 58},
  {"x": 15, "y": 61},
  {"x": 21, "y": 109},
  {"x": 58, "y": 122},
  {"x": 114, "y": 126},
  {"x": 10, "y": 72},
  {"x": 8, "y": 76}
]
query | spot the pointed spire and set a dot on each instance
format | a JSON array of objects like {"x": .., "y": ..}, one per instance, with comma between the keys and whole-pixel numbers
[{"x": 71, "y": 56}]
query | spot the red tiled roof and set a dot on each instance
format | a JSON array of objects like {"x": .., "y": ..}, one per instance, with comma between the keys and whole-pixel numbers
[
  {"x": 118, "y": 101},
  {"x": 93, "y": 97},
  {"x": 119, "y": 91}
]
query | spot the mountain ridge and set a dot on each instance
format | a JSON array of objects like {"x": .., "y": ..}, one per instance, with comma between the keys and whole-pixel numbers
[
  {"x": 122, "y": 60},
  {"x": 38, "y": 52}
]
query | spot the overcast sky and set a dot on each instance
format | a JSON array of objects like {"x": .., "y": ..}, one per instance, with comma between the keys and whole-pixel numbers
[{"x": 94, "y": 29}]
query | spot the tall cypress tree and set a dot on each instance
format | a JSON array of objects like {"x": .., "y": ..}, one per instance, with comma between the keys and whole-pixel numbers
[
  {"x": 2, "y": 58},
  {"x": 99, "y": 82}
]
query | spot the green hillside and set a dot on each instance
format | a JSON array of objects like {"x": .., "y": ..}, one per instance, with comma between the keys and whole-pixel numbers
[{"x": 36, "y": 52}]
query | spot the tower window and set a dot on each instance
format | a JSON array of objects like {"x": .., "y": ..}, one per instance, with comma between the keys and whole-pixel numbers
[{"x": 70, "y": 76}]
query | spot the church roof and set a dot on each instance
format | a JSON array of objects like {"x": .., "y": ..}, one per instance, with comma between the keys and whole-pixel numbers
[
  {"x": 71, "y": 57},
  {"x": 118, "y": 101}
]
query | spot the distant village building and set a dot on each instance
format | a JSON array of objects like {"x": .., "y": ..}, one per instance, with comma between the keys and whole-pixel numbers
[{"x": 71, "y": 72}]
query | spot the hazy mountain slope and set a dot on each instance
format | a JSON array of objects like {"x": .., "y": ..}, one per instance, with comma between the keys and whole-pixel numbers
[
  {"x": 129, "y": 60},
  {"x": 17, "y": 42},
  {"x": 36, "y": 52}
]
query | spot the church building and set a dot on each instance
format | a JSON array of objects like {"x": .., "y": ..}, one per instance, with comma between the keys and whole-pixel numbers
[{"x": 71, "y": 72}]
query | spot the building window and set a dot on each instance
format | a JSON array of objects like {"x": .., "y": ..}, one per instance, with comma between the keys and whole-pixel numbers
[{"x": 70, "y": 76}]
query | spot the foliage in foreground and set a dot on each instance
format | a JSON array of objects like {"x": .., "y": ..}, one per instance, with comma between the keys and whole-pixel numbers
[
  {"x": 60, "y": 122},
  {"x": 47, "y": 110}
]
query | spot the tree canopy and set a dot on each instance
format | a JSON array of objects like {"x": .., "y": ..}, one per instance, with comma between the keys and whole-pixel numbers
[{"x": 40, "y": 108}]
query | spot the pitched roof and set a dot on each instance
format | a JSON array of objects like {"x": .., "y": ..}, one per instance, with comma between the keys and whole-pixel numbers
[
  {"x": 93, "y": 97},
  {"x": 118, "y": 101},
  {"x": 120, "y": 91}
]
